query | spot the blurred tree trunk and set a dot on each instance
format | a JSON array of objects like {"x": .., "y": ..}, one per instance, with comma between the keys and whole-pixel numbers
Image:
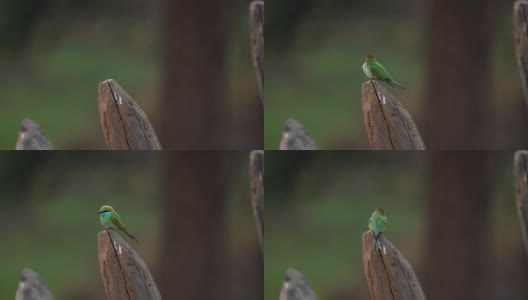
[
  {"x": 194, "y": 83},
  {"x": 459, "y": 79},
  {"x": 18, "y": 20},
  {"x": 194, "y": 241},
  {"x": 247, "y": 279},
  {"x": 458, "y": 237},
  {"x": 17, "y": 172}
]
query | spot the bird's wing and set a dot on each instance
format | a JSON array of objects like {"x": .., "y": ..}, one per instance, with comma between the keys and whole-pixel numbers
[
  {"x": 116, "y": 220},
  {"x": 379, "y": 71}
]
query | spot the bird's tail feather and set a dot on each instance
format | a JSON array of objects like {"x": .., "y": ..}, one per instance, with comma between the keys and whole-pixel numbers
[
  {"x": 131, "y": 236},
  {"x": 397, "y": 84}
]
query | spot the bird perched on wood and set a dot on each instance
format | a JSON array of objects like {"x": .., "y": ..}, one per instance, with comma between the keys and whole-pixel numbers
[
  {"x": 111, "y": 220},
  {"x": 378, "y": 224},
  {"x": 374, "y": 70}
]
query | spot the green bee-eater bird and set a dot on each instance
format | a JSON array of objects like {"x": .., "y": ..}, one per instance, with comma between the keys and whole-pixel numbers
[
  {"x": 111, "y": 220},
  {"x": 378, "y": 224},
  {"x": 374, "y": 70}
]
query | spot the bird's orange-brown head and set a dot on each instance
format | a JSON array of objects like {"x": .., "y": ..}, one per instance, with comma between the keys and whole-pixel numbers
[
  {"x": 370, "y": 57},
  {"x": 380, "y": 211}
]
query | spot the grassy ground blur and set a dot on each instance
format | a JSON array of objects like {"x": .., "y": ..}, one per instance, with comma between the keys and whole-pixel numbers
[
  {"x": 320, "y": 85},
  {"x": 318, "y": 80},
  {"x": 318, "y": 218},
  {"x": 55, "y": 83},
  {"x": 55, "y": 231},
  {"x": 52, "y": 228}
]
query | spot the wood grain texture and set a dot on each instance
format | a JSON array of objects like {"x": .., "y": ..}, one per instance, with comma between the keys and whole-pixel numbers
[
  {"x": 125, "y": 275},
  {"x": 520, "y": 21},
  {"x": 389, "y": 125},
  {"x": 256, "y": 22},
  {"x": 32, "y": 287},
  {"x": 125, "y": 125},
  {"x": 296, "y": 137},
  {"x": 521, "y": 192},
  {"x": 256, "y": 172},
  {"x": 32, "y": 137},
  {"x": 389, "y": 275},
  {"x": 296, "y": 287}
]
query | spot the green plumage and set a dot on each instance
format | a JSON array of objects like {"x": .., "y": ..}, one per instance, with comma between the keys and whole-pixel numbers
[
  {"x": 378, "y": 225},
  {"x": 110, "y": 219},
  {"x": 374, "y": 70}
]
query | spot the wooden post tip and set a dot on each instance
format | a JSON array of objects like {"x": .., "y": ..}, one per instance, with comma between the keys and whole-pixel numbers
[
  {"x": 107, "y": 81},
  {"x": 31, "y": 287}
]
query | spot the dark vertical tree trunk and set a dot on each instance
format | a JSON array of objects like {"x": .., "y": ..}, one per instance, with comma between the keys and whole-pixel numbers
[
  {"x": 194, "y": 82},
  {"x": 458, "y": 234},
  {"x": 457, "y": 115},
  {"x": 194, "y": 240},
  {"x": 459, "y": 78}
]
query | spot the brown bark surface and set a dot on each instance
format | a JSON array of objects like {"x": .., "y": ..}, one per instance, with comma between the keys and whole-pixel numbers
[
  {"x": 389, "y": 275},
  {"x": 125, "y": 125},
  {"x": 389, "y": 125},
  {"x": 125, "y": 275},
  {"x": 256, "y": 172}
]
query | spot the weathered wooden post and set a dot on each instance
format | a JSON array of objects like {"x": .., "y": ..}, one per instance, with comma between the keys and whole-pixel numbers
[
  {"x": 389, "y": 275},
  {"x": 256, "y": 172},
  {"x": 256, "y": 22},
  {"x": 296, "y": 137},
  {"x": 125, "y": 275},
  {"x": 521, "y": 192},
  {"x": 389, "y": 125},
  {"x": 125, "y": 125},
  {"x": 296, "y": 287},
  {"x": 32, "y": 137},
  {"x": 520, "y": 22},
  {"x": 32, "y": 287}
]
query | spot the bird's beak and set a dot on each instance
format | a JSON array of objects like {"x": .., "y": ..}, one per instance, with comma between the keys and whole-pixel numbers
[{"x": 98, "y": 212}]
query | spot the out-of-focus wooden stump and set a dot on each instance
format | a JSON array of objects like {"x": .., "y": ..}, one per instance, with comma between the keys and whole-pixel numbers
[
  {"x": 256, "y": 22},
  {"x": 125, "y": 275},
  {"x": 256, "y": 172},
  {"x": 296, "y": 137},
  {"x": 389, "y": 125},
  {"x": 32, "y": 137},
  {"x": 125, "y": 125},
  {"x": 32, "y": 287},
  {"x": 521, "y": 192},
  {"x": 389, "y": 275},
  {"x": 296, "y": 287},
  {"x": 520, "y": 21}
]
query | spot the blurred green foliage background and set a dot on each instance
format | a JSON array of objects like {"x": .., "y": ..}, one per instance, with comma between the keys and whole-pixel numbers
[
  {"x": 48, "y": 218},
  {"x": 315, "y": 50},
  {"x": 320, "y": 204},
  {"x": 54, "y": 53}
]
